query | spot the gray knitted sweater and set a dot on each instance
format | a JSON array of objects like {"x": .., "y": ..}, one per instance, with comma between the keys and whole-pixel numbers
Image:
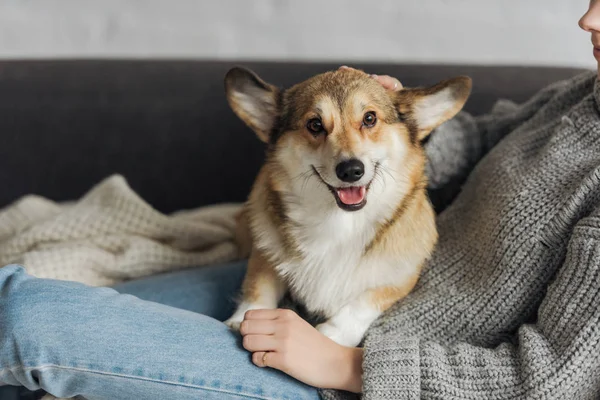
[{"x": 509, "y": 305}]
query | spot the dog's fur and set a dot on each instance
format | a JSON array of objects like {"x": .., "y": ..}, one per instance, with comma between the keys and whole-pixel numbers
[{"x": 346, "y": 265}]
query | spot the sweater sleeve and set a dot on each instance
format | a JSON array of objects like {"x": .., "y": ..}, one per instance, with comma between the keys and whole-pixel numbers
[
  {"x": 555, "y": 358},
  {"x": 457, "y": 145}
]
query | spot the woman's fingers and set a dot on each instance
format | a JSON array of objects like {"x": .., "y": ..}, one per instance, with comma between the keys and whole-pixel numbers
[
  {"x": 269, "y": 359},
  {"x": 261, "y": 314},
  {"x": 260, "y": 359},
  {"x": 258, "y": 327},
  {"x": 388, "y": 82},
  {"x": 259, "y": 343},
  {"x": 280, "y": 313}
]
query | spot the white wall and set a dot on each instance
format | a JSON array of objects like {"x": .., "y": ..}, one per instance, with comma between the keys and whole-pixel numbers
[{"x": 479, "y": 31}]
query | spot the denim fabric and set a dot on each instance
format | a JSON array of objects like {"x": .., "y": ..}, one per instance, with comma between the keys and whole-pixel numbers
[{"x": 120, "y": 343}]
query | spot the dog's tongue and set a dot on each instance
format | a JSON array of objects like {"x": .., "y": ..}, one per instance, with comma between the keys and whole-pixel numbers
[{"x": 351, "y": 195}]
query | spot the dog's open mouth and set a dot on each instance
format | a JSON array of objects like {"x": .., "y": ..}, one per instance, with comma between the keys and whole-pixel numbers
[{"x": 351, "y": 198}]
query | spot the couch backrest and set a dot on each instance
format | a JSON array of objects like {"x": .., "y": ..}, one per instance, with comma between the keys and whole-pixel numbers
[{"x": 165, "y": 125}]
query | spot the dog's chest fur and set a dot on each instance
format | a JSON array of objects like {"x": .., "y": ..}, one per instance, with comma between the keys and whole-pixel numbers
[{"x": 331, "y": 265}]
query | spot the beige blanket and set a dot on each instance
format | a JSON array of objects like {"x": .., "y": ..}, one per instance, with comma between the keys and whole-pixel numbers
[{"x": 112, "y": 235}]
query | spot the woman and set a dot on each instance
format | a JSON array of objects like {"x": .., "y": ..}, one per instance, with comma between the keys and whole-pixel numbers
[{"x": 507, "y": 307}]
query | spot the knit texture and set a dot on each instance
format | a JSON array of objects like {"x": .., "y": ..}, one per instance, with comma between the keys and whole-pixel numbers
[
  {"x": 508, "y": 307},
  {"x": 111, "y": 235}
]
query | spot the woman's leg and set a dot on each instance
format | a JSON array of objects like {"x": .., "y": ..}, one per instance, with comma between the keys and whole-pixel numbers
[
  {"x": 206, "y": 290},
  {"x": 70, "y": 339},
  {"x": 210, "y": 290}
]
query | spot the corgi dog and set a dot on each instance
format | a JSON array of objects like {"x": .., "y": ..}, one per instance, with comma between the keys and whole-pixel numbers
[{"x": 339, "y": 215}]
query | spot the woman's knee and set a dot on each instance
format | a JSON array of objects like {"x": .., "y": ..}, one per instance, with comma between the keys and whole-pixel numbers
[
  {"x": 12, "y": 294},
  {"x": 28, "y": 305},
  {"x": 17, "y": 323}
]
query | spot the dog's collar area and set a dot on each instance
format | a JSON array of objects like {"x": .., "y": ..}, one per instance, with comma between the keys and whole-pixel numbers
[{"x": 334, "y": 191}]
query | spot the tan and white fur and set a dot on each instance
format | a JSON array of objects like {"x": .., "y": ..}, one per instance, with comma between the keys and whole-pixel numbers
[{"x": 347, "y": 250}]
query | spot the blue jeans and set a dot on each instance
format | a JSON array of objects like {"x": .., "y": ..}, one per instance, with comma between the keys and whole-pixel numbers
[{"x": 153, "y": 338}]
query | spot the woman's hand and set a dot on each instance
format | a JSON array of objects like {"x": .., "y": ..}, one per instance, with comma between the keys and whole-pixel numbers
[
  {"x": 282, "y": 340},
  {"x": 386, "y": 81}
]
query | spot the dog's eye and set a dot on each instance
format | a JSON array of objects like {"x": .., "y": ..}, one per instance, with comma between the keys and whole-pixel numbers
[
  {"x": 369, "y": 119},
  {"x": 315, "y": 126}
]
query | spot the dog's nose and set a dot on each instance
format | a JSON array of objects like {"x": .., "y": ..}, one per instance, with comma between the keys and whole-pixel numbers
[{"x": 350, "y": 170}]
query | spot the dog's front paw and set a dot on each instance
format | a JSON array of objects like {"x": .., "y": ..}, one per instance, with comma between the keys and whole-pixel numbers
[
  {"x": 234, "y": 322},
  {"x": 338, "y": 335},
  {"x": 236, "y": 319}
]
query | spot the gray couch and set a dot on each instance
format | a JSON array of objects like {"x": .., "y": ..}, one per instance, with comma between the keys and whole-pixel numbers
[{"x": 165, "y": 125}]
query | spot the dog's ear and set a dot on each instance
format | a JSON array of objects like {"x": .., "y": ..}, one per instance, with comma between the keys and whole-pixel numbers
[
  {"x": 427, "y": 108},
  {"x": 253, "y": 100}
]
